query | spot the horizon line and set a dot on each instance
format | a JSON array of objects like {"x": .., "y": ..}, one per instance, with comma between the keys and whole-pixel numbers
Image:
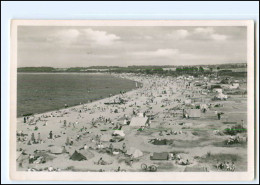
[{"x": 138, "y": 65}]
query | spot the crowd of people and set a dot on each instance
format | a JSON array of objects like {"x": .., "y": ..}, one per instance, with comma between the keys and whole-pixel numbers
[{"x": 85, "y": 131}]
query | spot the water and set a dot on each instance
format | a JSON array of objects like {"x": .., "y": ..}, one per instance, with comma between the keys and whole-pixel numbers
[{"x": 42, "y": 92}]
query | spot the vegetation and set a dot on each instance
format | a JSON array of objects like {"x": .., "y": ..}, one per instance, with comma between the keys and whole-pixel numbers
[
  {"x": 234, "y": 130},
  {"x": 231, "y": 73},
  {"x": 36, "y": 69},
  {"x": 219, "y": 157},
  {"x": 220, "y": 70}
]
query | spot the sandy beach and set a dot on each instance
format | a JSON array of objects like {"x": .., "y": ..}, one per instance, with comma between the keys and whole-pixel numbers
[{"x": 192, "y": 143}]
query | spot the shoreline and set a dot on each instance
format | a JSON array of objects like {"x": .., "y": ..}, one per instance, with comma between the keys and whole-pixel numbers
[
  {"x": 87, "y": 103},
  {"x": 93, "y": 125},
  {"x": 63, "y": 72}
]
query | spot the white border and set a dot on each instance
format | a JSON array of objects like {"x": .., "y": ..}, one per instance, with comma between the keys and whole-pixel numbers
[{"x": 134, "y": 176}]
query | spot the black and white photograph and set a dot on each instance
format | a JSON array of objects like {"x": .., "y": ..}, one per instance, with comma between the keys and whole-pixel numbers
[{"x": 153, "y": 97}]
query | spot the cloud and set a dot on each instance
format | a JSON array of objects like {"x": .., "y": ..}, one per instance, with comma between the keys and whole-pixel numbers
[
  {"x": 208, "y": 33},
  {"x": 52, "y": 45},
  {"x": 201, "y": 33},
  {"x": 82, "y": 37},
  {"x": 173, "y": 55},
  {"x": 147, "y": 37},
  {"x": 157, "y": 53},
  {"x": 218, "y": 37},
  {"x": 69, "y": 34},
  {"x": 166, "y": 52},
  {"x": 66, "y": 36},
  {"x": 206, "y": 30},
  {"x": 183, "y": 33},
  {"x": 100, "y": 37},
  {"x": 179, "y": 34}
]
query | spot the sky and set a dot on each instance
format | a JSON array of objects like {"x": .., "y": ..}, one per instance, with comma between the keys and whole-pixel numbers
[{"x": 63, "y": 47}]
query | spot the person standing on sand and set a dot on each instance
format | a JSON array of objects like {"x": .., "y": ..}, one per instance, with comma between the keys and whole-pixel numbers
[
  {"x": 39, "y": 137},
  {"x": 227, "y": 166},
  {"x": 118, "y": 169},
  {"x": 218, "y": 165},
  {"x": 111, "y": 148},
  {"x": 31, "y": 158},
  {"x": 77, "y": 137},
  {"x": 32, "y": 137},
  {"x": 50, "y": 135},
  {"x": 97, "y": 138},
  {"x": 67, "y": 141},
  {"x": 71, "y": 141},
  {"x": 242, "y": 122},
  {"x": 100, "y": 161},
  {"x": 233, "y": 167},
  {"x": 85, "y": 147},
  {"x": 124, "y": 146},
  {"x": 219, "y": 115},
  {"x": 131, "y": 160}
]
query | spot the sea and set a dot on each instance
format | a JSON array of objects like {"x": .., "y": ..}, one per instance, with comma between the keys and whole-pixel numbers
[{"x": 43, "y": 92}]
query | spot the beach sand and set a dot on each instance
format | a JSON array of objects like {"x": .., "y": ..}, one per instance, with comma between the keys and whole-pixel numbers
[{"x": 193, "y": 139}]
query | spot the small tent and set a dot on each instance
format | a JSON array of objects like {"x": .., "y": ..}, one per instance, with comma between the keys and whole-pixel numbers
[
  {"x": 159, "y": 142},
  {"x": 225, "y": 81},
  {"x": 193, "y": 113},
  {"x": 135, "y": 152},
  {"x": 215, "y": 86},
  {"x": 204, "y": 106},
  {"x": 221, "y": 97},
  {"x": 160, "y": 156},
  {"x": 125, "y": 122},
  {"x": 187, "y": 101},
  {"x": 19, "y": 155},
  {"x": 138, "y": 121},
  {"x": 204, "y": 92},
  {"x": 105, "y": 137},
  {"x": 234, "y": 86},
  {"x": 197, "y": 83},
  {"x": 140, "y": 114},
  {"x": 88, "y": 154},
  {"x": 180, "y": 77},
  {"x": 218, "y": 90},
  {"x": 58, "y": 150},
  {"x": 76, "y": 156},
  {"x": 119, "y": 133}
]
